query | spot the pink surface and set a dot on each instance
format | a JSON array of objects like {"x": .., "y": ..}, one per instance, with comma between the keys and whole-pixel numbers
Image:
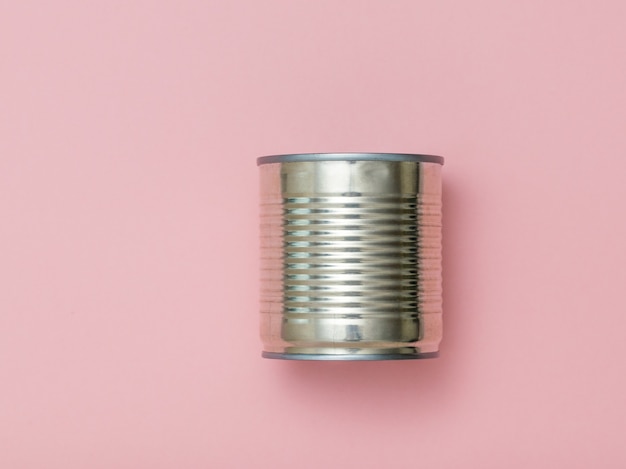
[{"x": 128, "y": 254}]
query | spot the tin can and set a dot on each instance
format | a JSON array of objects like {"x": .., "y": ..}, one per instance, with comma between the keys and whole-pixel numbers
[{"x": 351, "y": 256}]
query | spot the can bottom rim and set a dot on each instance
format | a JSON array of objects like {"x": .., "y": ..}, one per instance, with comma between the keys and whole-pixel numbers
[{"x": 348, "y": 357}]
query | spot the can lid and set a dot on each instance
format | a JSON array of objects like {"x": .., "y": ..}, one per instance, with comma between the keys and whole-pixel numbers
[{"x": 297, "y": 157}]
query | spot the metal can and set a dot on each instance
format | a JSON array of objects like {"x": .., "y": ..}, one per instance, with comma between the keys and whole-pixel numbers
[{"x": 351, "y": 256}]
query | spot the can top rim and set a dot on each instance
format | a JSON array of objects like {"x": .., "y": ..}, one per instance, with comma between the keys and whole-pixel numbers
[{"x": 300, "y": 157}]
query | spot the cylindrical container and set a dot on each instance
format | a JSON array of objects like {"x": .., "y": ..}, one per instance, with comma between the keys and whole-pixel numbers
[{"x": 350, "y": 256}]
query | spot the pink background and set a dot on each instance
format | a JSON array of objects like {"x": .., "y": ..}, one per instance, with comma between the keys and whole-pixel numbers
[{"x": 128, "y": 232}]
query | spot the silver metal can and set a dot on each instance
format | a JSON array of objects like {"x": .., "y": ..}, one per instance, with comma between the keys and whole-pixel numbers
[{"x": 350, "y": 256}]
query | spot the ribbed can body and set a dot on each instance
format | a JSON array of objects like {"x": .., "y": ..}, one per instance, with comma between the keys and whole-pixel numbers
[{"x": 350, "y": 259}]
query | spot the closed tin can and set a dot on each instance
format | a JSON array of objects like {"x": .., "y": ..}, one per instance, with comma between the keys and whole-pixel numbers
[{"x": 350, "y": 256}]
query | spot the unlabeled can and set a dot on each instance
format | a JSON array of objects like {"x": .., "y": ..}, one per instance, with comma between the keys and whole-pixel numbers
[{"x": 350, "y": 256}]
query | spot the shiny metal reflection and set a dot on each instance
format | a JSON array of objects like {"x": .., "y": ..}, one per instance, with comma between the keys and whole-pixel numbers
[{"x": 350, "y": 256}]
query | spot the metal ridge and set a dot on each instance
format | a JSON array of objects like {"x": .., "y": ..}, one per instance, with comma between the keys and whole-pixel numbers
[{"x": 298, "y": 157}]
